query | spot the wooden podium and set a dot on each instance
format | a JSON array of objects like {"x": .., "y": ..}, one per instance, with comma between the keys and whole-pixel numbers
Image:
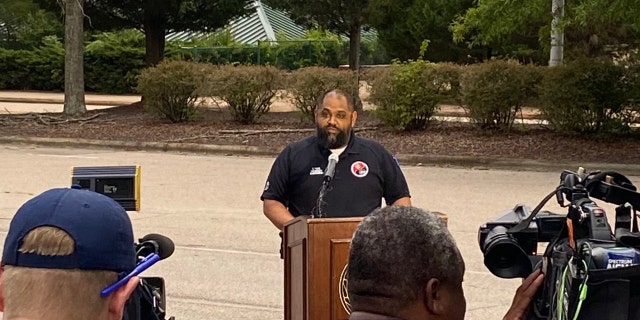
[{"x": 316, "y": 252}]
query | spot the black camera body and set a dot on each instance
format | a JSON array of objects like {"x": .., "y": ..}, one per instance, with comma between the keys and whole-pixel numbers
[
  {"x": 584, "y": 251},
  {"x": 148, "y": 300},
  {"x": 513, "y": 255}
]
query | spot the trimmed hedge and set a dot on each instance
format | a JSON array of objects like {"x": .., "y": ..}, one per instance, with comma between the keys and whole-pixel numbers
[
  {"x": 494, "y": 92},
  {"x": 113, "y": 62},
  {"x": 248, "y": 90},
  {"x": 407, "y": 95},
  {"x": 290, "y": 55},
  {"x": 39, "y": 69},
  {"x": 587, "y": 96},
  {"x": 172, "y": 89},
  {"x": 306, "y": 84}
]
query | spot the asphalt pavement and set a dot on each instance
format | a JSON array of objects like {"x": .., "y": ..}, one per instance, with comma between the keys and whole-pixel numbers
[{"x": 226, "y": 263}]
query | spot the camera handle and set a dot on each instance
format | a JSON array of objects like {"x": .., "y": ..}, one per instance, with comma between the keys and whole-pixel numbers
[
  {"x": 524, "y": 224},
  {"x": 626, "y": 218}
]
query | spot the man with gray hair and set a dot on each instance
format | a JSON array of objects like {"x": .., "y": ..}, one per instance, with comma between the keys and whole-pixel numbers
[{"x": 405, "y": 265}]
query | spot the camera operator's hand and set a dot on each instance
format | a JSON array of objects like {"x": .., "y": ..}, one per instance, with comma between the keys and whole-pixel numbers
[{"x": 524, "y": 294}]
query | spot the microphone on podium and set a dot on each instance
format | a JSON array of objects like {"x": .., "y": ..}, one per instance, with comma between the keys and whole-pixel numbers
[
  {"x": 316, "y": 212},
  {"x": 331, "y": 167}
]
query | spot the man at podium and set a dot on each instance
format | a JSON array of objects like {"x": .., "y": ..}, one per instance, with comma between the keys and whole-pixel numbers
[{"x": 352, "y": 174}]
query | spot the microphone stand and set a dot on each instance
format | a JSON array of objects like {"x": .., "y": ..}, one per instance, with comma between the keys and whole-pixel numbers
[{"x": 317, "y": 210}]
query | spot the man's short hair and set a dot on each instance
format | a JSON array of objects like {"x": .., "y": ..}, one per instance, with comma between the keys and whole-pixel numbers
[
  {"x": 351, "y": 101},
  {"x": 393, "y": 254},
  {"x": 37, "y": 293}
]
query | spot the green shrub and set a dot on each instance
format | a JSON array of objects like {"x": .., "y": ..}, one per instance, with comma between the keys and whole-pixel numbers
[
  {"x": 113, "y": 61},
  {"x": 37, "y": 69},
  {"x": 631, "y": 113},
  {"x": 46, "y": 66},
  {"x": 172, "y": 89},
  {"x": 407, "y": 95},
  {"x": 493, "y": 92},
  {"x": 585, "y": 96},
  {"x": 372, "y": 52},
  {"x": 289, "y": 55},
  {"x": 113, "y": 71},
  {"x": 12, "y": 74},
  {"x": 307, "y": 84},
  {"x": 235, "y": 53},
  {"x": 247, "y": 89}
]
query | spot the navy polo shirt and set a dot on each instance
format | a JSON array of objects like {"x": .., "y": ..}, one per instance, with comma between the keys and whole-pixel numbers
[{"x": 365, "y": 173}]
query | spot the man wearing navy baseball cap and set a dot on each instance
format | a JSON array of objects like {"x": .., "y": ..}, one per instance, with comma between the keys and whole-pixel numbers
[{"x": 63, "y": 248}]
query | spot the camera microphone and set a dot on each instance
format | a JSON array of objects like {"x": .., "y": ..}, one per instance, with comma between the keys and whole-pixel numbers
[{"x": 155, "y": 243}]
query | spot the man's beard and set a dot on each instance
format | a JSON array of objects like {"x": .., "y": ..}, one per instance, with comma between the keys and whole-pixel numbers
[{"x": 332, "y": 141}]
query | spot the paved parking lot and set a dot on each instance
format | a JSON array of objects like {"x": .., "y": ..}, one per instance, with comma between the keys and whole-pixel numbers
[{"x": 226, "y": 264}]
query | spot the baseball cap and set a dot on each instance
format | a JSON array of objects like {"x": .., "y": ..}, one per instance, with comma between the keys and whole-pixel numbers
[{"x": 100, "y": 227}]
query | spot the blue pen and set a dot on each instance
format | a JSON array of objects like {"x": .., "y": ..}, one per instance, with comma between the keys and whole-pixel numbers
[{"x": 147, "y": 262}]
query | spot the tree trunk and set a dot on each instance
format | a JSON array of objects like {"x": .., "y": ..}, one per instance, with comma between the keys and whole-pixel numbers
[
  {"x": 354, "y": 60},
  {"x": 557, "y": 34},
  {"x": 354, "y": 46},
  {"x": 154, "y": 29},
  {"x": 74, "y": 103}
]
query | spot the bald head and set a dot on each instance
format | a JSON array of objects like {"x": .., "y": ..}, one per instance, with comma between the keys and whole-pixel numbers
[{"x": 336, "y": 94}]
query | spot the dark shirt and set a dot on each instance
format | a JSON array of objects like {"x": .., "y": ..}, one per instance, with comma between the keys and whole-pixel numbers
[{"x": 365, "y": 173}]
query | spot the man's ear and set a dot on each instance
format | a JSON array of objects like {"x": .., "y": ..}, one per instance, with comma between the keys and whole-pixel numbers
[
  {"x": 1, "y": 294},
  {"x": 354, "y": 116},
  {"x": 433, "y": 297},
  {"x": 119, "y": 297}
]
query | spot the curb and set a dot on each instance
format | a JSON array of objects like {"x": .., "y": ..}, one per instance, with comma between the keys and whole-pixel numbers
[
  {"x": 486, "y": 163},
  {"x": 89, "y": 101},
  {"x": 469, "y": 162},
  {"x": 140, "y": 145}
]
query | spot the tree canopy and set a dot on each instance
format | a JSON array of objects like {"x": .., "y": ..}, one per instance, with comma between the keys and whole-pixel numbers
[
  {"x": 589, "y": 25},
  {"x": 156, "y": 18},
  {"x": 403, "y": 25},
  {"x": 23, "y": 23}
]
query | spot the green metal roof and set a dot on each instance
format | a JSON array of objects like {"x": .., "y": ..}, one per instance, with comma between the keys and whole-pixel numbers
[
  {"x": 263, "y": 24},
  {"x": 282, "y": 24}
]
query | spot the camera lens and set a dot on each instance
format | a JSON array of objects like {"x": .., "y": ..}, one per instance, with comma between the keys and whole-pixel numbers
[{"x": 503, "y": 256}]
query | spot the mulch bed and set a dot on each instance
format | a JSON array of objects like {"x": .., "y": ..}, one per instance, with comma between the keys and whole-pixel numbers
[{"x": 276, "y": 129}]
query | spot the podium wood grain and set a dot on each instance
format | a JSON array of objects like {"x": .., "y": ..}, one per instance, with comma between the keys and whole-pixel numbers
[{"x": 316, "y": 252}]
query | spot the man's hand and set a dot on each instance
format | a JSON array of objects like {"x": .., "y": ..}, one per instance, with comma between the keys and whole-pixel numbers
[{"x": 524, "y": 294}]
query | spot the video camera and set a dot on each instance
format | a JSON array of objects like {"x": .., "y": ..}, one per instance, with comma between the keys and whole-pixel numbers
[
  {"x": 122, "y": 183},
  {"x": 590, "y": 271},
  {"x": 148, "y": 301}
]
